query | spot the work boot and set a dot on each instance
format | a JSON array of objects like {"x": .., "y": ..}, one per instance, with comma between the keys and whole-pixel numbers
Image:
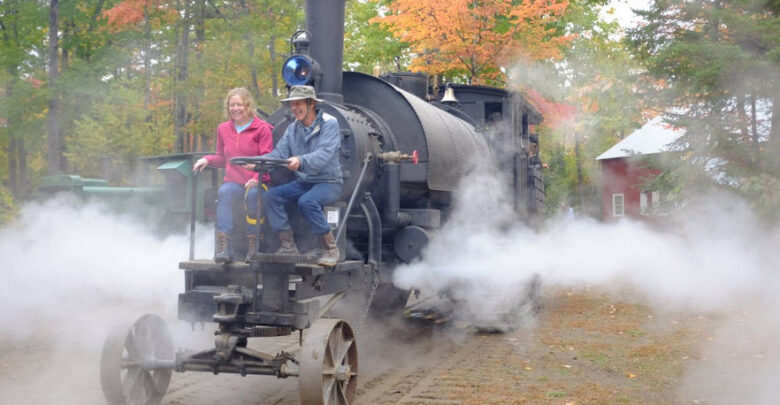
[
  {"x": 287, "y": 246},
  {"x": 224, "y": 253},
  {"x": 251, "y": 248},
  {"x": 331, "y": 255}
]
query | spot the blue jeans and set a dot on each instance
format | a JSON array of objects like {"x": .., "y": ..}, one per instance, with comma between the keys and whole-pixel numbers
[
  {"x": 310, "y": 198},
  {"x": 228, "y": 195}
]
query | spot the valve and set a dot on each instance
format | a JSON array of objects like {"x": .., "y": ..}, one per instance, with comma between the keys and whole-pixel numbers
[{"x": 396, "y": 157}]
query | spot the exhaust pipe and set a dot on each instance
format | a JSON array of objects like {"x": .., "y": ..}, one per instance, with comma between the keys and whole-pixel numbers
[{"x": 325, "y": 22}]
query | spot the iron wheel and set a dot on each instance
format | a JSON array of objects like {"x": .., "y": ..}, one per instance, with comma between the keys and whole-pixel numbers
[
  {"x": 329, "y": 364},
  {"x": 130, "y": 370}
]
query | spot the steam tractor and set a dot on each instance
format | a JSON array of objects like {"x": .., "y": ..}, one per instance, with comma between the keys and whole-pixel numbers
[{"x": 403, "y": 153}]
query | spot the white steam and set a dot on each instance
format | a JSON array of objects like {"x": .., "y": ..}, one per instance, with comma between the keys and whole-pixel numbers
[
  {"x": 714, "y": 256},
  {"x": 704, "y": 260},
  {"x": 71, "y": 271}
]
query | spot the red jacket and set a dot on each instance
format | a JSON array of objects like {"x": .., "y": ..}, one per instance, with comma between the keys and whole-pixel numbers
[{"x": 255, "y": 140}]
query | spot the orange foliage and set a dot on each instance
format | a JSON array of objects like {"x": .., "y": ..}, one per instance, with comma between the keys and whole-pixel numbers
[
  {"x": 556, "y": 115},
  {"x": 128, "y": 14},
  {"x": 475, "y": 37}
]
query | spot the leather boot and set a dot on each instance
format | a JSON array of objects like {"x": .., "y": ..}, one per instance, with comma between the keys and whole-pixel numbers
[
  {"x": 224, "y": 253},
  {"x": 331, "y": 255},
  {"x": 287, "y": 246},
  {"x": 251, "y": 247}
]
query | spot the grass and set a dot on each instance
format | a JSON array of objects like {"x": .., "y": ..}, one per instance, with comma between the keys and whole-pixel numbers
[{"x": 598, "y": 358}]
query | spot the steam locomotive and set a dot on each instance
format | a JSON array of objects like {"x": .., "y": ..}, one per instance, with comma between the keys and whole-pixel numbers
[{"x": 403, "y": 153}]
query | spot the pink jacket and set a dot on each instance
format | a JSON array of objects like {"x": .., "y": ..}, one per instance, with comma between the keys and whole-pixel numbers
[{"x": 255, "y": 140}]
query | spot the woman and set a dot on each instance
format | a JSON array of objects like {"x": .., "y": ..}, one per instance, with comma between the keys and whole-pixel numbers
[{"x": 244, "y": 134}]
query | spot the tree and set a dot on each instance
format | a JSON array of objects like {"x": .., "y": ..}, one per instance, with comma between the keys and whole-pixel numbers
[
  {"x": 716, "y": 66},
  {"x": 469, "y": 40},
  {"x": 55, "y": 163},
  {"x": 21, "y": 39},
  {"x": 589, "y": 101},
  {"x": 368, "y": 43},
  {"x": 111, "y": 135}
]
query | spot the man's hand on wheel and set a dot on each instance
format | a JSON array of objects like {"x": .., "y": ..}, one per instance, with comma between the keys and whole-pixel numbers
[{"x": 293, "y": 163}]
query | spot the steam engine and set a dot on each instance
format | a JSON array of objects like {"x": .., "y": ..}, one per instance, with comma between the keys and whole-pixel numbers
[
  {"x": 403, "y": 155},
  {"x": 389, "y": 117}
]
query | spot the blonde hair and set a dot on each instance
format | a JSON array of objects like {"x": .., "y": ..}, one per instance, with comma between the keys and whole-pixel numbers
[{"x": 246, "y": 96}]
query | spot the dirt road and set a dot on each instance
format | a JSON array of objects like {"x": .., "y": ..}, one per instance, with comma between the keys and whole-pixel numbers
[{"x": 587, "y": 347}]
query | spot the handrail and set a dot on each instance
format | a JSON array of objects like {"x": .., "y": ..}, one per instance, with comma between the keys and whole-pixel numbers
[
  {"x": 354, "y": 194},
  {"x": 193, "y": 213}
]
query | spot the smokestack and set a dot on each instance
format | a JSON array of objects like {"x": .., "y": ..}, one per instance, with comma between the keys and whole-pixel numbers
[{"x": 325, "y": 22}]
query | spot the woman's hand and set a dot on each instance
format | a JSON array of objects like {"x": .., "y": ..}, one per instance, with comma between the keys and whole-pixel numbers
[
  {"x": 249, "y": 166},
  {"x": 251, "y": 183},
  {"x": 199, "y": 165}
]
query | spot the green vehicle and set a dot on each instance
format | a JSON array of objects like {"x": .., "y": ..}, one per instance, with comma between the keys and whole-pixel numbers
[{"x": 163, "y": 197}]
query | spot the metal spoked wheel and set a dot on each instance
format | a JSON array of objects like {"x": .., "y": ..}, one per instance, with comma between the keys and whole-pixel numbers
[
  {"x": 136, "y": 363},
  {"x": 328, "y": 364}
]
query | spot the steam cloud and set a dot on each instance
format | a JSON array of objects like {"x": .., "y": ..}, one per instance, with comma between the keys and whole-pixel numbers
[
  {"x": 70, "y": 272},
  {"x": 714, "y": 256}
]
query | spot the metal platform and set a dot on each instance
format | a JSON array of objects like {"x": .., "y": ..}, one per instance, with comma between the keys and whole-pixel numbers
[
  {"x": 269, "y": 262},
  {"x": 310, "y": 258}
]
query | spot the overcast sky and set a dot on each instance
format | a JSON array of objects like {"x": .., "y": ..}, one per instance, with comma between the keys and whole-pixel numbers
[{"x": 623, "y": 11}]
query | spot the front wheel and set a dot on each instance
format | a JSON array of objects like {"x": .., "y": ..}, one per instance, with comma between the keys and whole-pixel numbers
[
  {"x": 136, "y": 363},
  {"x": 328, "y": 364}
]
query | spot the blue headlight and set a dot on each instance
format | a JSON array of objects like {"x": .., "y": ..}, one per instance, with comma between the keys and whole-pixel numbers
[{"x": 297, "y": 70}]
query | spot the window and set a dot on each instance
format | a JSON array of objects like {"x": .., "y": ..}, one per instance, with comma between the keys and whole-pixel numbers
[
  {"x": 649, "y": 203},
  {"x": 617, "y": 205}
]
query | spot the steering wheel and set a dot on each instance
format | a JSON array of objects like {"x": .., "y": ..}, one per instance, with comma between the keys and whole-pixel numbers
[{"x": 262, "y": 164}]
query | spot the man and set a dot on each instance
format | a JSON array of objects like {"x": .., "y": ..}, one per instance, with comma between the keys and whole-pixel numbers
[
  {"x": 311, "y": 147},
  {"x": 533, "y": 153}
]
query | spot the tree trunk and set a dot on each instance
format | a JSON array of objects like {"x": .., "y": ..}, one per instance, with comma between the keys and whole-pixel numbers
[
  {"x": 196, "y": 140},
  {"x": 65, "y": 57},
  {"x": 54, "y": 155},
  {"x": 774, "y": 130},
  {"x": 255, "y": 88},
  {"x": 743, "y": 119},
  {"x": 714, "y": 25},
  {"x": 12, "y": 165},
  {"x": 253, "y": 68},
  {"x": 147, "y": 62},
  {"x": 94, "y": 18},
  {"x": 580, "y": 177},
  {"x": 21, "y": 156},
  {"x": 272, "y": 61},
  {"x": 180, "y": 119},
  {"x": 754, "y": 128},
  {"x": 13, "y": 175}
]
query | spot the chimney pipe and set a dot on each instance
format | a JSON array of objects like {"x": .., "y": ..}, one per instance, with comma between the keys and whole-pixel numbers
[{"x": 325, "y": 22}]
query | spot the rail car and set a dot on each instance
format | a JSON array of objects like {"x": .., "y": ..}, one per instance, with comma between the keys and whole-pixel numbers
[{"x": 403, "y": 153}]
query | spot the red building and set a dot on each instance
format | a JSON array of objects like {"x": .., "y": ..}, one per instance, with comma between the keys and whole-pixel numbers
[{"x": 628, "y": 166}]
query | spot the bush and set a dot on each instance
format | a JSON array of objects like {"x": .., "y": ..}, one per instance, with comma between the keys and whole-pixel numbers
[{"x": 8, "y": 208}]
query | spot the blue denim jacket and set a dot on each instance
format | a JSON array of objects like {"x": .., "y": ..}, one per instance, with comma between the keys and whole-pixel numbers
[{"x": 317, "y": 147}]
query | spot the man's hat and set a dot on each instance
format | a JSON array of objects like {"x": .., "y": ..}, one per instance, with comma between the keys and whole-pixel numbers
[{"x": 301, "y": 93}]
